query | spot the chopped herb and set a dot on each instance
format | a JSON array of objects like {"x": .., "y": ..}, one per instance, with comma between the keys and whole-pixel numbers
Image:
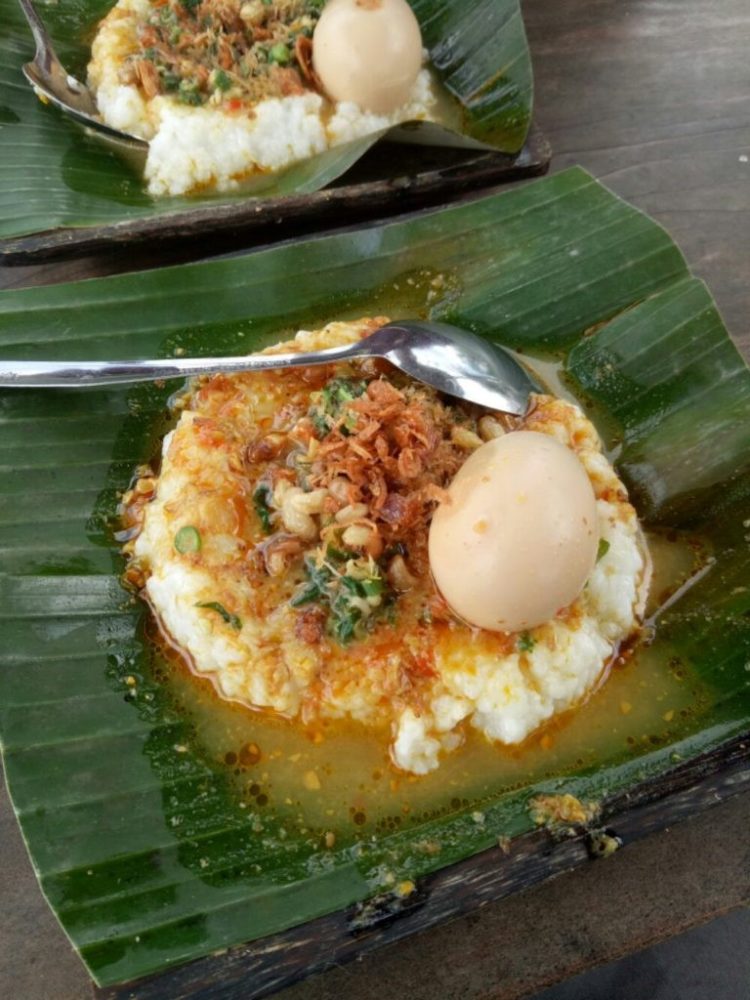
[
  {"x": 189, "y": 93},
  {"x": 260, "y": 503},
  {"x": 351, "y": 586},
  {"x": 221, "y": 80},
  {"x": 525, "y": 643},
  {"x": 279, "y": 53},
  {"x": 603, "y": 549},
  {"x": 309, "y": 593},
  {"x": 332, "y": 400},
  {"x": 320, "y": 422},
  {"x": 319, "y": 577},
  {"x": 336, "y": 555},
  {"x": 191, "y": 5},
  {"x": 344, "y": 625},
  {"x": 372, "y": 587},
  {"x": 187, "y": 540},
  {"x": 170, "y": 81},
  {"x": 228, "y": 617},
  {"x": 340, "y": 391},
  {"x": 351, "y": 597}
]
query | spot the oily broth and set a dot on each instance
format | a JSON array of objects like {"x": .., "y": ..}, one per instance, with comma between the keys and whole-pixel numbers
[{"x": 337, "y": 777}]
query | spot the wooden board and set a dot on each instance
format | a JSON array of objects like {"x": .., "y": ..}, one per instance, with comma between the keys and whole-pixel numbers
[
  {"x": 259, "y": 969},
  {"x": 425, "y": 177}
]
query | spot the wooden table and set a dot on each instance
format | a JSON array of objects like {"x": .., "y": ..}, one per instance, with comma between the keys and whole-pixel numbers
[{"x": 653, "y": 97}]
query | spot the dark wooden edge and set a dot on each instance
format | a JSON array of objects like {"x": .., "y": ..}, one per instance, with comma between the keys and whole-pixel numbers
[
  {"x": 357, "y": 202},
  {"x": 263, "y": 967}
]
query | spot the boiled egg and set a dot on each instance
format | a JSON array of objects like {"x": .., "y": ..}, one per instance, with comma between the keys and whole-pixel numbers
[
  {"x": 517, "y": 536},
  {"x": 368, "y": 52}
]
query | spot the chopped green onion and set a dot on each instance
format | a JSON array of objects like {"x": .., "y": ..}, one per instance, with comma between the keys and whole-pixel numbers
[
  {"x": 331, "y": 401},
  {"x": 372, "y": 587},
  {"x": 189, "y": 92},
  {"x": 336, "y": 555},
  {"x": 228, "y": 617},
  {"x": 279, "y": 53},
  {"x": 170, "y": 80},
  {"x": 603, "y": 549},
  {"x": 311, "y": 592},
  {"x": 320, "y": 422},
  {"x": 351, "y": 585},
  {"x": 342, "y": 595},
  {"x": 526, "y": 642},
  {"x": 221, "y": 80},
  {"x": 344, "y": 625},
  {"x": 340, "y": 391},
  {"x": 260, "y": 503},
  {"x": 187, "y": 540}
]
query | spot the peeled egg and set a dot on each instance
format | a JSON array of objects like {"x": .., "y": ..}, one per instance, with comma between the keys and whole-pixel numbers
[
  {"x": 368, "y": 52},
  {"x": 517, "y": 538}
]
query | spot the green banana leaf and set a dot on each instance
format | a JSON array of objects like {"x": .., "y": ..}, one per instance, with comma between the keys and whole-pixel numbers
[
  {"x": 144, "y": 845},
  {"x": 52, "y": 174}
]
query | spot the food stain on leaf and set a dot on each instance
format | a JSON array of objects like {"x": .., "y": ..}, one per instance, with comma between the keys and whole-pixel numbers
[{"x": 558, "y": 812}]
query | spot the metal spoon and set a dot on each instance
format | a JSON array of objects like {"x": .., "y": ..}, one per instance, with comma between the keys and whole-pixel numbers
[
  {"x": 53, "y": 83},
  {"x": 448, "y": 359}
]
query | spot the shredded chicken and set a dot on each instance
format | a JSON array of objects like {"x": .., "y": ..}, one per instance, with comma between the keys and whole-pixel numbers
[
  {"x": 396, "y": 461},
  {"x": 349, "y": 486},
  {"x": 224, "y": 51}
]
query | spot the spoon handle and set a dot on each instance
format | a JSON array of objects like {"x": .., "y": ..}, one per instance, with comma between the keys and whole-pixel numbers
[
  {"x": 75, "y": 374},
  {"x": 45, "y": 54},
  {"x": 51, "y": 80}
]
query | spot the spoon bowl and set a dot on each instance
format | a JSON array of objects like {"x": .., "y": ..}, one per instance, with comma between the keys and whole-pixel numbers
[
  {"x": 451, "y": 360},
  {"x": 54, "y": 85}
]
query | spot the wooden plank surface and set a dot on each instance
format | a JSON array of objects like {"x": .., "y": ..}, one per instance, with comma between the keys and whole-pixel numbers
[
  {"x": 652, "y": 888},
  {"x": 383, "y": 183},
  {"x": 259, "y": 969},
  {"x": 652, "y": 96}
]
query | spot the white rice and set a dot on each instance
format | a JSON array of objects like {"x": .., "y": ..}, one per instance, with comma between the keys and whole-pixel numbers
[
  {"x": 199, "y": 148},
  {"x": 507, "y": 700},
  {"x": 505, "y": 697}
]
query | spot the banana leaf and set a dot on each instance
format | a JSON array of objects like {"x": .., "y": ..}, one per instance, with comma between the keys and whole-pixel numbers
[
  {"x": 143, "y": 845},
  {"x": 52, "y": 174}
]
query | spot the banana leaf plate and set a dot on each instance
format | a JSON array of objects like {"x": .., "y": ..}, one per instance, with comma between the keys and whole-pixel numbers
[
  {"x": 150, "y": 848},
  {"x": 62, "y": 193}
]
